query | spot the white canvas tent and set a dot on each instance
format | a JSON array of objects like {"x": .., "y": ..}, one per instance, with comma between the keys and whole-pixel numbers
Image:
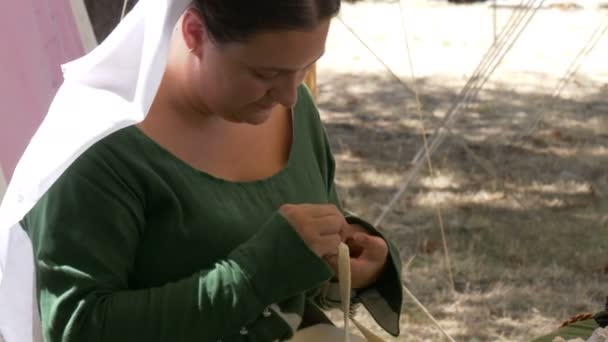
[{"x": 37, "y": 37}]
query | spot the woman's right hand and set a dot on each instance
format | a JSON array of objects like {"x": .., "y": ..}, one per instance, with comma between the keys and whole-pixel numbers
[{"x": 319, "y": 225}]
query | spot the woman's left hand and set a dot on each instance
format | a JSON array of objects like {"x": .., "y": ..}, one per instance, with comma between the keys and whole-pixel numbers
[{"x": 368, "y": 255}]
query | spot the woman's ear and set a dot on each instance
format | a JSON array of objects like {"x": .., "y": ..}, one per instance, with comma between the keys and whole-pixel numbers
[{"x": 193, "y": 31}]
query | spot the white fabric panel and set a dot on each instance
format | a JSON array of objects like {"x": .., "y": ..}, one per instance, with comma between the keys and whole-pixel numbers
[{"x": 110, "y": 88}]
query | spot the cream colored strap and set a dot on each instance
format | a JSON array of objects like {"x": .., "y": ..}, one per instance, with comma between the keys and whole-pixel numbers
[
  {"x": 2, "y": 184},
  {"x": 344, "y": 279},
  {"x": 345, "y": 288}
]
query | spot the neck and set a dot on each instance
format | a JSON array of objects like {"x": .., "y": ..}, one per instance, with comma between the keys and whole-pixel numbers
[{"x": 175, "y": 105}]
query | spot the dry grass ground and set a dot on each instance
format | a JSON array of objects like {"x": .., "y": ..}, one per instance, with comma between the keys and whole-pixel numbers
[{"x": 526, "y": 219}]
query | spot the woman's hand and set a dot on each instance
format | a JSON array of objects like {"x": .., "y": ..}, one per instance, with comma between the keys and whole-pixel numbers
[
  {"x": 319, "y": 226},
  {"x": 368, "y": 255},
  {"x": 323, "y": 227}
]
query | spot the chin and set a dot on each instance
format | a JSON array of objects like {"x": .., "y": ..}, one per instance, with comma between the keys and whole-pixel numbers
[{"x": 256, "y": 117}]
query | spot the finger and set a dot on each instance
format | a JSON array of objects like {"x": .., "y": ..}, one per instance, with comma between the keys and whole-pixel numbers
[
  {"x": 370, "y": 247},
  {"x": 362, "y": 273},
  {"x": 359, "y": 241},
  {"x": 376, "y": 244},
  {"x": 355, "y": 250},
  {"x": 322, "y": 210},
  {"x": 329, "y": 224},
  {"x": 358, "y": 266},
  {"x": 347, "y": 231},
  {"x": 355, "y": 228},
  {"x": 368, "y": 240},
  {"x": 309, "y": 210},
  {"x": 328, "y": 245},
  {"x": 332, "y": 260},
  {"x": 362, "y": 239}
]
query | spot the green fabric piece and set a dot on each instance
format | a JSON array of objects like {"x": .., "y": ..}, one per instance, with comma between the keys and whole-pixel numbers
[
  {"x": 602, "y": 318},
  {"x": 131, "y": 244},
  {"x": 384, "y": 299},
  {"x": 582, "y": 329}
]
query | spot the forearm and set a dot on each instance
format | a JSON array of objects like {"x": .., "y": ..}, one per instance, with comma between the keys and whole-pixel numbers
[
  {"x": 194, "y": 308},
  {"x": 81, "y": 306}
]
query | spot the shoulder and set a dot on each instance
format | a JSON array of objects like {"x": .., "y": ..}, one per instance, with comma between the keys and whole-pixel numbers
[
  {"x": 99, "y": 190},
  {"x": 306, "y": 111},
  {"x": 109, "y": 166},
  {"x": 305, "y": 97},
  {"x": 308, "y": 119},
  {"x": 115, "y": 149},
  {"x": 110, "y": 155}
]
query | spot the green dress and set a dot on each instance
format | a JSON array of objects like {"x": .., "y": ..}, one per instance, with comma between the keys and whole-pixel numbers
[{"x": 132, "y": 244}]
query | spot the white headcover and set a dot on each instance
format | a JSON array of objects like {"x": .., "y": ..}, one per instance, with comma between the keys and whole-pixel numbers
[{"x": 108, "y": 89}]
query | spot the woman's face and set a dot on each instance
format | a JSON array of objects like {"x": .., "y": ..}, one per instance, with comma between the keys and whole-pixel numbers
[{"x": 243, "y": 82}]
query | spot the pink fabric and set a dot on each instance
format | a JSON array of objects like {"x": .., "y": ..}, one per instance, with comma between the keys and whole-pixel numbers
[{"x": 37, "y": 37}]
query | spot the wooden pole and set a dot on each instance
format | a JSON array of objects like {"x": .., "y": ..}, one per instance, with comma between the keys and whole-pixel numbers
[
  {"x": 494, "y": 22},
  {"x": 311, "y": 80},
  {"x": 83, "y": 23}
]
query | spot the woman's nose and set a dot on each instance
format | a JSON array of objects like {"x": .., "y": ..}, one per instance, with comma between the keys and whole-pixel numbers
[{"x": 286, "y": 92}]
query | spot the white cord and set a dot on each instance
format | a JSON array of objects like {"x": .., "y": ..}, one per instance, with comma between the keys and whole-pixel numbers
[{"x": 124, "y": 9}]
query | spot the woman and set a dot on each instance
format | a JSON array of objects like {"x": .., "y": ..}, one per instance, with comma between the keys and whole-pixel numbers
[{"x": 216, "y": 217}]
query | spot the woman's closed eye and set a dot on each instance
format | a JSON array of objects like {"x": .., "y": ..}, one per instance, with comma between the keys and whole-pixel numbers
[{"x": 266, "y": 75}]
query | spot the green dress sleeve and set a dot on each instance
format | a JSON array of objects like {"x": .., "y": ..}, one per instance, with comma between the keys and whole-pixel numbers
[
  {"x": 384, "y": 299},
  {"x": 85, "y": 236}
]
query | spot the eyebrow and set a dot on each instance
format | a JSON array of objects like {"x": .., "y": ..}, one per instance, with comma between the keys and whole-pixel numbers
[{"x": 286, "y": 70}]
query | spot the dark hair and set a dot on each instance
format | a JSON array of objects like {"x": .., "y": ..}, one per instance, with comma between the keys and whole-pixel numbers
[{"x": 237, "y": 20}]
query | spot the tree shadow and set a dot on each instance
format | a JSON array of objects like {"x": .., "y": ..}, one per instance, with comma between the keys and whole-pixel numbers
[
  {"x": 373, "y": 120},
  {"x": 520, "y": 212}
]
